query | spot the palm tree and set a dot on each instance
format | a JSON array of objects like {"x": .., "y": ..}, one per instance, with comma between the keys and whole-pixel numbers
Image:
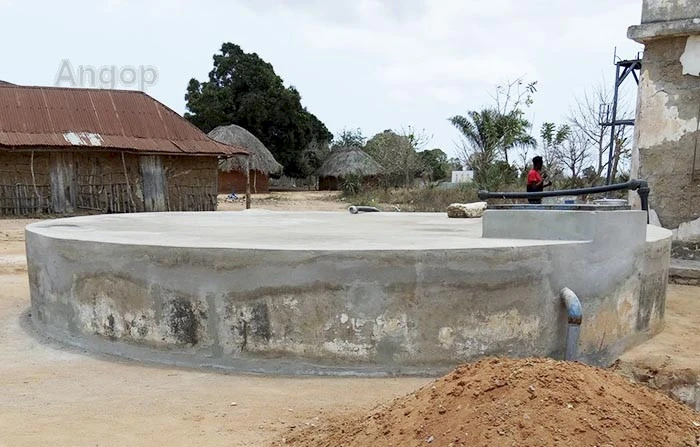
[
  {"x": 480, "y": 133},
  {"x": 512, "y": 131},
  {"x": 487, "y": 134}
]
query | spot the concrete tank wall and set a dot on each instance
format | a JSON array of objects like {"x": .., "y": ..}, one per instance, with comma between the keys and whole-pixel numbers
[{"x": 361, "y": 311}]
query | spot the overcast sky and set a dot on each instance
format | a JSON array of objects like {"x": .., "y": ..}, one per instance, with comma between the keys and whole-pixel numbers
[{"x": 372, "y": 64}]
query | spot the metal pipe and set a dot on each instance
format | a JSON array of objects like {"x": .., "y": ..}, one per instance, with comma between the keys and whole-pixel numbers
[
  {"x": 575, "y": 315},
  {"x": 362, "y": 209},
  {"x": 641, "y": 186},
  {"x": 631, "y": 185}
]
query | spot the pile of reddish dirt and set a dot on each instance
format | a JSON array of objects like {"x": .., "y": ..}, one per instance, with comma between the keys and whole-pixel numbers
[{"x": 528, "y": 402}]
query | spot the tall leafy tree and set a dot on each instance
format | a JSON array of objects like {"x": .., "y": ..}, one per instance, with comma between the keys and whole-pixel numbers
[
  {"x": 436, "y": 163},
  {"x": 553, "y": 138},
  {"x": 244, "y": 89},
  {"x": 397, "y": 154}
]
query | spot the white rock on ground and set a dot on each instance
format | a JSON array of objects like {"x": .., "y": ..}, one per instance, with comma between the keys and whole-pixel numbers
[{"x": 466, "y": 210}]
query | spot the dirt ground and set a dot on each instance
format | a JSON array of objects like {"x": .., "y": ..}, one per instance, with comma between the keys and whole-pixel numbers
[
  {"x": 289, "y": 201},
  {"x": 515, "y": 402},
  {"x": 53, "y": 395}
]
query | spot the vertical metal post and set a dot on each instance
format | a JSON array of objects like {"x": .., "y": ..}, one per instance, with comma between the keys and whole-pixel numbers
[
  {"x": 643, "y": 192},
  {"x": 609, "y": 179},
  {"x": 247, "y": 182}
]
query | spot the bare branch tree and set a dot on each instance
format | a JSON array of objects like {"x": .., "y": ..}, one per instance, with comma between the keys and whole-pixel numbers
[
  {"x": 573, "y": 154},
  {"x": 587, "y": 115},
  {"x": 513, "y": 129},
  {"x": 514, "y": 94}
]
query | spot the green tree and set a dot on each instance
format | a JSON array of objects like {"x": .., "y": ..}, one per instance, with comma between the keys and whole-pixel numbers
[
  {"x": 486, "y": 137},
  {"x": 513, "y": 132},
  {"x": 553, "y": 138},
  {"x": 243, "y": 89},
  {"x": 397, "y": 154},
  {"x": 436, "y": 164},
  {"x": 349, "y": 138},
  {"x": 313, "y": 157},
  {"x": 479, "y": 150}
]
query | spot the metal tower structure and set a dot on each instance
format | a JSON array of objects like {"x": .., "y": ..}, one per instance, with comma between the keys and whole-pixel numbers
[{"x": 608, "y": 112}]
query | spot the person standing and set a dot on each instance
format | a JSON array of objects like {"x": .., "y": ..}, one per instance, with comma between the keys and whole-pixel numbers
[{"x": 536, "y": 179}]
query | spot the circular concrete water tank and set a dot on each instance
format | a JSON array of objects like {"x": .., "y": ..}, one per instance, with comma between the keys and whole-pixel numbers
[{"x": 332, "y": 293}]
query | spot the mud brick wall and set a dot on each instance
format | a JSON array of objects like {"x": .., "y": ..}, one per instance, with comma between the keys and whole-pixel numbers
[{"x": 236, "y": 181}]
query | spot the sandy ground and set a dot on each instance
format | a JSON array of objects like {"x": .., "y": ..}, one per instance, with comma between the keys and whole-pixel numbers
[
  {"x": 52, "y": 395},
  {"x": 289, "y": 201},
  {"x": 670, "y": 361}
]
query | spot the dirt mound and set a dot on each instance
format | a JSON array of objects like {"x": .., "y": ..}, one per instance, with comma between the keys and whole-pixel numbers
[{"x": 503, "y": 402}]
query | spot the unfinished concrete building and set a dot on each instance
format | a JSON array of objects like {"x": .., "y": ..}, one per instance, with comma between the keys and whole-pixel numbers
[
  {"x": 67, "y": 151},
  {"x": 666, "y": 151}
]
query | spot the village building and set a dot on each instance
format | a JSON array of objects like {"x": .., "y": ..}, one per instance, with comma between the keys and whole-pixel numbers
[
  {"x": 67, "y": 151},
  {"x": 344, "y": 162},
  {"x": 260, "y": 164}
]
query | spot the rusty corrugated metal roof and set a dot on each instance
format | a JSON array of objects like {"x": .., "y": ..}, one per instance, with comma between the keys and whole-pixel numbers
[{"x": 93, "y": 119}]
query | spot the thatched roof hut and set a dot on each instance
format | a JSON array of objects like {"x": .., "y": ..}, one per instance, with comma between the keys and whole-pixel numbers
[
  {"x": 232, "y": 175},
  {"x": 261, "y": 159},
  {"x": 346, "y": 161}
]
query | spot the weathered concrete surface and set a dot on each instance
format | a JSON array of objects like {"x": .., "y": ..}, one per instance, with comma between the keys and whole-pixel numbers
[
  {"x": 668, "y": 10},
  {"x": 666, "y": 133},
  {"x": 333, "y": 293},
  {"x": 620, "y": 271},
  {"x": 666, "y": 130},
  {"x": 666, "y": 18},
  {"x": 684, "y": 271},
  {"x": 688, "y": 231}
]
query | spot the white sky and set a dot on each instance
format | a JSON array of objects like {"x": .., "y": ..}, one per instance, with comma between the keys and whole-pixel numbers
[{"x": 372, "y": 64}]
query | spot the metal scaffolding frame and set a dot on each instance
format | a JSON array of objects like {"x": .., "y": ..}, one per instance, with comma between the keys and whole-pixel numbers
[{"x": 608, "y": 112}]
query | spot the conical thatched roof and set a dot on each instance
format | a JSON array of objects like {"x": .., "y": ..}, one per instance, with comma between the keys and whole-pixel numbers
[
  {"x": 260, "y": 158},
  {"x": 5, "y": 83},
  {"x": 347, "y": 161}
]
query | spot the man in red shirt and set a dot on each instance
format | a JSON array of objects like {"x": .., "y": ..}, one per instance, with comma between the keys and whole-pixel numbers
[{"x": 535, "y": 179}]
